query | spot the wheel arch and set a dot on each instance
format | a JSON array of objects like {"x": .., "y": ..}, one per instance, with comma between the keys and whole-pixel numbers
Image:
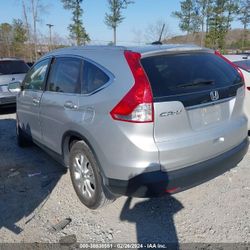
[{"x": 68, "y": 140}]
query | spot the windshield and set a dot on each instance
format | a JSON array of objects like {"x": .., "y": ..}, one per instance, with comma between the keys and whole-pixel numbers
[{"x": 13, "y": 67}]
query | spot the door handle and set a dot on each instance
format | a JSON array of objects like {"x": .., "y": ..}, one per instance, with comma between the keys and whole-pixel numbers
[
  {"x": 35, "y": 101},
  {"x": 70, "y": 105}
]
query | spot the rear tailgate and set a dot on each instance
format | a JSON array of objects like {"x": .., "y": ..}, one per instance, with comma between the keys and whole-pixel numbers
[
  {"x": 198, "y": 103},
  {"x": 12, "y": 70},
  {"x": 5, "y": 79}
]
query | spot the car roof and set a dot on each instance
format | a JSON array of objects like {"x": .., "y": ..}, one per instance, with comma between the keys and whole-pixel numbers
[
  {"x": 9, "y": 59},
  {"x": 148, "y": 49}
]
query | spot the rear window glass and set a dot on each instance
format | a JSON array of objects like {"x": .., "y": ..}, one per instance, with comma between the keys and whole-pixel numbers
[
  {"x": 93, "y": 78},
  {"x": 244, "y": 64},
  {"x": 13, "y": 67},
  {"x": 184, "y": 73}
]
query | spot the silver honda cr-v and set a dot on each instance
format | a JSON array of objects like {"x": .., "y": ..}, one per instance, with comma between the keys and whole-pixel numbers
[{"x": 142, "y": 121}]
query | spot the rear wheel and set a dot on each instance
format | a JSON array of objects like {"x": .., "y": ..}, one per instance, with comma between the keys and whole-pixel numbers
[{"x": 86, "y": 177}]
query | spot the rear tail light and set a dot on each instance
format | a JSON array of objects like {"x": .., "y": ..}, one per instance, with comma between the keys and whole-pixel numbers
[
  {"x": 231, "y": 63},
  {"x": 172, "y": 190},
  {"x": 137, "y": 105}
]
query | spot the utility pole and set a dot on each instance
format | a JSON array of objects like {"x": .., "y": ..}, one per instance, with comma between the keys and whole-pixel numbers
[{"x": 50, "y": 37}]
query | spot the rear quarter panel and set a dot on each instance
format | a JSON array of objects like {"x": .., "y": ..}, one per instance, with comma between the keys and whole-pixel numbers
[{"x": 124, "y": 149}]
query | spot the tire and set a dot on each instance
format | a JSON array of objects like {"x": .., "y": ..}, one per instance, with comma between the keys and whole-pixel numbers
[
  {"x": 22, "y": 141},
  {"x": 86, "y": 177}
]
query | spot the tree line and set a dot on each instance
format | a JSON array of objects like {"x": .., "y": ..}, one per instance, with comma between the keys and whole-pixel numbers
[
  {"x": 213, "y": 19},
  {"x": 20, "y": 38},
  {"x": 13, "y": 36}
]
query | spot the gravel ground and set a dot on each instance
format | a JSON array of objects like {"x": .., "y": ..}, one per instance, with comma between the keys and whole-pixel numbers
[{"x": 36, "y": 193}]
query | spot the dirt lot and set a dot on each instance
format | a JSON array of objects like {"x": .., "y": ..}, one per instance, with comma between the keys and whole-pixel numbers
[{"x": 36, "y": 193}]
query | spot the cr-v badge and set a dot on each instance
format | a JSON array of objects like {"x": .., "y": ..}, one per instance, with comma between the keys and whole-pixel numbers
[
  {"x": 214, "y": 95},
  {"x": 165, "y": 114}
]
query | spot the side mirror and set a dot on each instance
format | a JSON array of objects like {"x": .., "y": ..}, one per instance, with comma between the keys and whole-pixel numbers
[{"x": 14, "y": 87}]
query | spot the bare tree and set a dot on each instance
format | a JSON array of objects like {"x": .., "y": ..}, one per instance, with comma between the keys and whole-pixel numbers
[
  {"x": 25, "y": 16},
  {"x": 138, "y": 36},
  {"x": 153, "y": 31},
  {"x": 36, "y": 8},
  {"x": 26, "y": 22},
  {"x": 58, "y": 40}
]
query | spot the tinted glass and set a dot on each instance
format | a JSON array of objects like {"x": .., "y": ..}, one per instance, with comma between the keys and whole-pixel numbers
[
  {"x": 65, "y": 75},
  {"x": 244, "y": 64},
  {"x": 185, "y": 73},
  {"x": 13, "y": 67},
  {"x": 35, "y": 78},
  {"x": 93, "y": 78}
]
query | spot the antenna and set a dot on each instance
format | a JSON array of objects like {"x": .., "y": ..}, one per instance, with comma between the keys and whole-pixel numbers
[
  {"x": 163, "y": 27},
  {"x": 159, "y": 41}
]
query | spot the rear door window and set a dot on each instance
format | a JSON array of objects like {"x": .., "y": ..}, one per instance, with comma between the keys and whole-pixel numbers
[
  {"x": 93, "y": 78},
  {"x": 187, "y": 73},
  {"x": 10, "y": 67},
  {"x": 65, "y": 75}
]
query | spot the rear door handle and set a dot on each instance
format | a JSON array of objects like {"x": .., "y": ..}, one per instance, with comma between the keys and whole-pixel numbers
[
  {"x": 35, "y": 101},
  {"x": 70, "y": 105}
]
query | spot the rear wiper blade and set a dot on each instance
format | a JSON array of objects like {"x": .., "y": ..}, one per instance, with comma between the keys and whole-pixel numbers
[{"x": 194, "y": 84}]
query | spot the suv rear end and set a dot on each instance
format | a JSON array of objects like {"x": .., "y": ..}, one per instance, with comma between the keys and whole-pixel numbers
[
  {"x": 196, "y": 120},
  {"x": 11, "y": 70}
]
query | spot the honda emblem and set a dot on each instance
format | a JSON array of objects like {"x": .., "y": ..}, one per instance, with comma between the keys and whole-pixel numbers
[{"x": 214, "y": 95}]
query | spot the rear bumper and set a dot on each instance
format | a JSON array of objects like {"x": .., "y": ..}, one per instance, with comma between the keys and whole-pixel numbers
[{"x": 158, "y": 183}]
